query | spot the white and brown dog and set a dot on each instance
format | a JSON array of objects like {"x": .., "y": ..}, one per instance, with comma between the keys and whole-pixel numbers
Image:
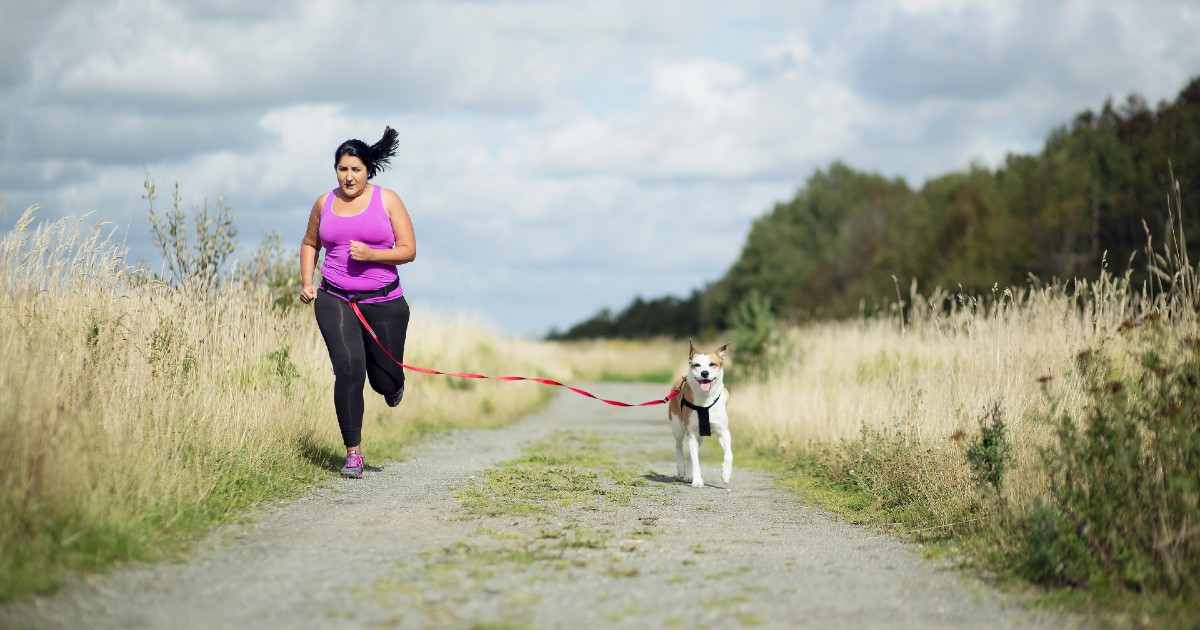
[{"x": 700, "y": 410}]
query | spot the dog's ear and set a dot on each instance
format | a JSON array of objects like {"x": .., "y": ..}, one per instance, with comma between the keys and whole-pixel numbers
[
  {"x": 691, "y": 350},
  {"x": 721, "y": 351}
]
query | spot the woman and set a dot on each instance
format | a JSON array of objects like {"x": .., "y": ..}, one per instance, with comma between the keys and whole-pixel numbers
[{"x": 366, "y": 233}]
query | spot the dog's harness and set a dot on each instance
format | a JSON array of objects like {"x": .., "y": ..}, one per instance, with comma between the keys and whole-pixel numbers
[{"x": 702, "y": 413}]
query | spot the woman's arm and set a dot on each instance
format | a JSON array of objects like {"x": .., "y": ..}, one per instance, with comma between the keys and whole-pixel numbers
[
  {"x": 309, "y": 248},
  {"x": 405, "y": 250}
]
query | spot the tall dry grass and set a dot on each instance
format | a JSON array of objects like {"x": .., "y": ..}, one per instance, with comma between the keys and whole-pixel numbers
[
  {"x": 932, "y": 374},
  {"x": 889, "y": 404},
  {"x": 135, "y": 414},
  {"x": 658, "y": 360}
]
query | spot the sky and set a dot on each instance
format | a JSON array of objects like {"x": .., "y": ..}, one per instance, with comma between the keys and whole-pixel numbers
[{"x": 556, "y": 157}]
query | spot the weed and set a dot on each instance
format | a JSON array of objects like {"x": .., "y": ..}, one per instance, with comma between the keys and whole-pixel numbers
[
  {"x": 283, "y": 367},
  {"x": 214, "y": 239},
  {"x": 990, "y": 454},
  {"x": 1124, "y": 502},
  {"x": 759, "y": 343}
]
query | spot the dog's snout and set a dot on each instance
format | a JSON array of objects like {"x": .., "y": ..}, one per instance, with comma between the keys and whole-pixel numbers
[{"x": 704, "y": 374}]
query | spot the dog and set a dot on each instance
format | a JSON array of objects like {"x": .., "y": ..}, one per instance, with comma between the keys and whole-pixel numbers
[{"x": 700, "y": 408}]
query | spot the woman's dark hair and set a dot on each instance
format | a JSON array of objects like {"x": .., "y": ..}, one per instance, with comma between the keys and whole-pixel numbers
[{"x": 375, "y": 157}]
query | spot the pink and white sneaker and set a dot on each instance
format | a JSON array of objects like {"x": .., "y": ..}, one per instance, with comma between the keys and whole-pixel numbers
[{"x": 354, "y": 466}]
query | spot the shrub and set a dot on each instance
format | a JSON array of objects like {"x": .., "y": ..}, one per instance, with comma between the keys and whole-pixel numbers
[
  {"x": 991, "y": 453},
  {"x": 759, "y": 343},
  {"x": 200, "y": 258},
  {"x": 1124, "y": 502}
]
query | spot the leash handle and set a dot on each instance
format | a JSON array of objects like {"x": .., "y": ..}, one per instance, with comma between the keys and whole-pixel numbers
[{"x": 543, "y": 381}]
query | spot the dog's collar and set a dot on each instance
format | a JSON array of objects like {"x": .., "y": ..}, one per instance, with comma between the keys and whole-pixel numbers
[{"x": 702, "y": 413}]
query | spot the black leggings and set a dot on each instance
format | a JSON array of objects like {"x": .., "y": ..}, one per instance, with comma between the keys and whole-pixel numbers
[{"x": 356, "y": 357}]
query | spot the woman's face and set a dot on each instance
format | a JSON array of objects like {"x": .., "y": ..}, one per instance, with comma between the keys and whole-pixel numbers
[{"x": 352, "y": 175}]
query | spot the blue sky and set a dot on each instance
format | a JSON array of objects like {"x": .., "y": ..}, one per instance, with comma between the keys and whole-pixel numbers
[{"x": 556, "y": 157}]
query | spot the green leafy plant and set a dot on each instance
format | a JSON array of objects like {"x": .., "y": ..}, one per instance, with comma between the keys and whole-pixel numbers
[
  {"x": 272, "y": 267},
  {"x": 759, "y": 342},
  {"x": 1124, "y": 506},
  {"x": 990, "y": 454},
  {"x": 200, "y": 257},
  {"x": 284, "y": 369}
]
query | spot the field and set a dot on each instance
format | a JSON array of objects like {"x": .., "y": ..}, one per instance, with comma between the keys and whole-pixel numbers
[
  {"x": 137, "y": 414},
  {"x": 1048, "y": 431}
]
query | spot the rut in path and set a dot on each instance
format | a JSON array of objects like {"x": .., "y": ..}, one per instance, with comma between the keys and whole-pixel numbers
[{"x": 570, "y": 518}]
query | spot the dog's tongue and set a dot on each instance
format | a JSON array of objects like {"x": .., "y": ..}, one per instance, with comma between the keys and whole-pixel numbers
[{"x": 705, "y": 385}]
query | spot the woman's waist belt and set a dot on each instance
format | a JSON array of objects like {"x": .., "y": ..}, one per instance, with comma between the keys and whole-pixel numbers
[{"x": 358, "y": 296}]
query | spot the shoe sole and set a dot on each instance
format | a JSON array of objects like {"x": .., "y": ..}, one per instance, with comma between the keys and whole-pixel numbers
[{"x": 351, "y": 475}]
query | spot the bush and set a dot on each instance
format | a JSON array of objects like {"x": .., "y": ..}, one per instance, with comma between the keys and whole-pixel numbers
[
  {"x": 197, "y": 259},
  {"x": 1124, "y": 503},
  {"x": 759, "y": 343},
  {"x": 991, "y": 453}
]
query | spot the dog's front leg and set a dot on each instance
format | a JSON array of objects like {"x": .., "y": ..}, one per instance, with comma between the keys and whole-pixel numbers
[
  {"x": 694, "y": 457},
  {"x": 680, "y": 432},
  {"x": 726, "y": 441}
]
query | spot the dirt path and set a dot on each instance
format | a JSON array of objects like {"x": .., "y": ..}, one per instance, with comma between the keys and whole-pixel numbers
[{"x": 459, "y": 536}]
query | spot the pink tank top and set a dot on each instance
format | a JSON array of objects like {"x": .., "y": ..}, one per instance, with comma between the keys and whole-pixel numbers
[{"x": 372, "y": 227}]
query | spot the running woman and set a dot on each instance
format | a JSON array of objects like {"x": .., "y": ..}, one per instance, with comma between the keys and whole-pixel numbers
[{"x": 366, "y": 233}]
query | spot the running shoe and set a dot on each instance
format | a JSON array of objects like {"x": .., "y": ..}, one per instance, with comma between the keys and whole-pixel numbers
[
  {"x": 394, "y": 399},
  {"x": 354, "y": 466}
]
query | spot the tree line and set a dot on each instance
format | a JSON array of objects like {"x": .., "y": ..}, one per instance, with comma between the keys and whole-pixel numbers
[{"x": 848, "y": 239}]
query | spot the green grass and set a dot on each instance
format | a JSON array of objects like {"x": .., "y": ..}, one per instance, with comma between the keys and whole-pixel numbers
[
  {"x": 531, "y": 511},
  {"x": 54, "y": 544},
  {"x": 565, "y": 470},
  {"x": 983, "y": 544},
  {"x": 57, "y": 543}
]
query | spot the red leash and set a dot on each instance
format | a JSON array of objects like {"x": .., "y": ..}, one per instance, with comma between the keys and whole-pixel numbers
[{"x": 543, "y": 381}]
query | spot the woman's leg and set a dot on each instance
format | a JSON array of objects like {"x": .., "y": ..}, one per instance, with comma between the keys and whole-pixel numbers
[
  {"x": 343, "y": 337},
  {"x": 389, "y": 320}
]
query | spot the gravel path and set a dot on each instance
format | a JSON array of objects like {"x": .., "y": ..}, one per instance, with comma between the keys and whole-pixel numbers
[{"x": 398, "y": 549}]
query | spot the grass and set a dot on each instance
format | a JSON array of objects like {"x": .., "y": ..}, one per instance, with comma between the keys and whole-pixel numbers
[
  {"x": 564, "y": 470},
  {"x": 621, "y": 360},
  {"x": 1047, "y": 432},
  {"x": 138, "y": 415},
  {"x": 536, "y": 515}
]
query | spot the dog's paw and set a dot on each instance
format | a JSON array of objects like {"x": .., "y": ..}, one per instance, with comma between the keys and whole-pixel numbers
[
  {"x": 697, "y": 483},
  {"x": 726, "y": 474}
]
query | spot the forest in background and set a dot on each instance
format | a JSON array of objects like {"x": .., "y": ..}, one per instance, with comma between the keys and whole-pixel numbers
[{"x": 849, "y": 239}]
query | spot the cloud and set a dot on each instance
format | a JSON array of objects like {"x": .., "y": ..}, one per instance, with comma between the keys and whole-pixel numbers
[{"x": 555, "y": 156}]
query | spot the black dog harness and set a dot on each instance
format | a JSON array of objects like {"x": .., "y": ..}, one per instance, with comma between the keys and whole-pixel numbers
[{"x": 702, "y": 412}]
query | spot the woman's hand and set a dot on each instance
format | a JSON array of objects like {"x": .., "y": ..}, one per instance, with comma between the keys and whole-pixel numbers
[
  {"x": 360, "y": 252},
  {"x": 308, "y": 293}
]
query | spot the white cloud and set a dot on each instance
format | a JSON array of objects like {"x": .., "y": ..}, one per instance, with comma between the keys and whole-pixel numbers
[{"x": 555, "y": 156}]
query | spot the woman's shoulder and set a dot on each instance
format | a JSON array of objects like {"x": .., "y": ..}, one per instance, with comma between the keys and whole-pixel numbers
[
  {"x": 390, "y": 199},
  {"x": 387, "y": 193},
  {"x": 323, "y": 199}
]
